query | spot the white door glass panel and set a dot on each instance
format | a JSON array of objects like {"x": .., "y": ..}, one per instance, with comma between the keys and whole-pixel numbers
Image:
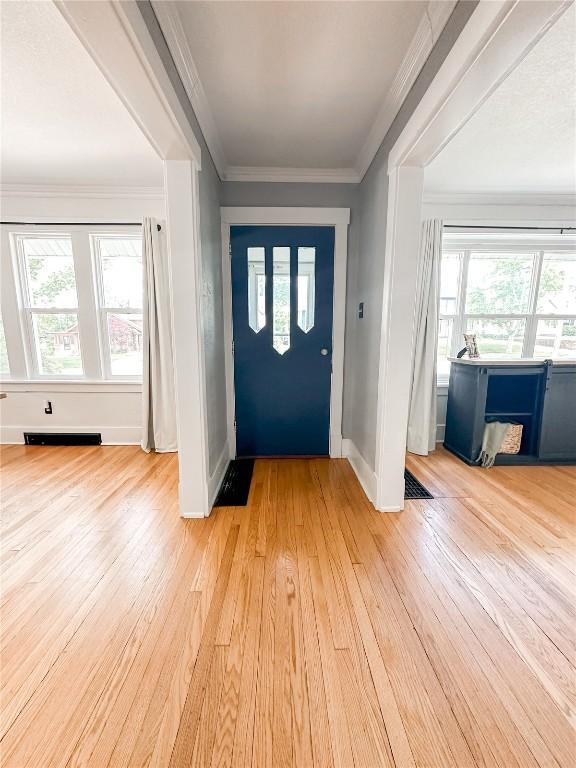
[
  {"x": 557, "y": 291},
  {"x": 4, "y": 365},
  {"x": 256, "y": 289},
  {"x": 125, "y": 343},
  {"x": 555, "y": 339},
  {"x": 121, "y": 265},
  {"x": 50, "y": 276},
  {"x": 498, "y": 337},
  {"x": 57, "y": 343},
  {"x": 281, "y": 299},
  {"x": 450, "y": 269},
  {"x": 444, "y": 342},
  {"x": 306, "y": 287},
  {"x": 498, "y": 284}
]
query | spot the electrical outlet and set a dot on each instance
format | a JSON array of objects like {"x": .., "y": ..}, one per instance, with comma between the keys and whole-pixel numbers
[{"x": 361, "y": 310}]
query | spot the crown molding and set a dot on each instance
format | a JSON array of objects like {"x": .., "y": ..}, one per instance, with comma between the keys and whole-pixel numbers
[
  {"x": 68, "y": 190},
  {"x": 305, "y": 175},
  {"x": 500, "y": 198},
  {"x": 171, "y": 25},
  {"x": 431, "y": 25}
]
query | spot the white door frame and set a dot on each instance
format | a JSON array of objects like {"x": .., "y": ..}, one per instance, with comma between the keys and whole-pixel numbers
[
  {"x": 339, "y": 218},
  {"x": 498, "y": 35},
  {"x": 116, "y": 36}
]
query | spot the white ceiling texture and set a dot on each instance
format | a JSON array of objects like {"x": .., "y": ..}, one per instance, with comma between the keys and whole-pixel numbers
[
  {"x": 62, "y": 124},
  {"x": 523, "y": 139}
]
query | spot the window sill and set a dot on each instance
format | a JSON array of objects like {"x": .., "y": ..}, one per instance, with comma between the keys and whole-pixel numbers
[{"x": 67, "y": 385}]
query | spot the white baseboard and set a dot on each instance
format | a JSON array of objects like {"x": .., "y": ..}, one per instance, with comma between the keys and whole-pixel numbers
[
  {"x": 217, "y": 476},
  {"x": 364, "y": 472},
  {"x": 110, "y": 435}
]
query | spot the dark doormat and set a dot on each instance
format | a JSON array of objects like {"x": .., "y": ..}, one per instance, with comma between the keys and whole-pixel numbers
[
  {"x": 413, "y": 489},
  {"x": 236, "y": 484}
]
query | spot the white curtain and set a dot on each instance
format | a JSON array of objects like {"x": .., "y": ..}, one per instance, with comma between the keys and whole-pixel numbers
[
  {"x": 158, "y": 392},
  {"x": 422, "y": 418}
]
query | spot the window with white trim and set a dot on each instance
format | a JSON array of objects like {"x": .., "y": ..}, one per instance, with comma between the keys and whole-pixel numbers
[
  {"x": 119, "y": 269},
  {"x": 515, "y": 290},
  {"x": 78, "y": 292}
]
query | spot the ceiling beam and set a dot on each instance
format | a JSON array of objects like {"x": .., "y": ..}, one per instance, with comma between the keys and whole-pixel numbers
[{"x": 115, "y": 35}]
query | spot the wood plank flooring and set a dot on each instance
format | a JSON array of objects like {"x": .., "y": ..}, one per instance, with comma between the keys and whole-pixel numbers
[{"x": 302, "y": 630}]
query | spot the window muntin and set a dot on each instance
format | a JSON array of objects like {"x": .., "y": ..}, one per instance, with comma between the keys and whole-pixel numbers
[
  {"x": 118, "y": 261},
  {"x": 517, "y": 292},
  {"x": 58, "y": 291}
]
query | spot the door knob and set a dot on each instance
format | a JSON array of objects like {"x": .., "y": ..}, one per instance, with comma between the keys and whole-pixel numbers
[{"x": 324, "y": 351}]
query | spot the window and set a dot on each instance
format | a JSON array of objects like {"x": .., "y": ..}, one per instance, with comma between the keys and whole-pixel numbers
[
  {"x": 64, "y": 281},
  {"x": 306, "y": 287},
  {"x": 281, "y": 299},
  {"x": 50, "y": 304},
  {"x": 516, "y": 291},
  {"x": 256, "y": 289},
  {"x": 119, "y": 265}
]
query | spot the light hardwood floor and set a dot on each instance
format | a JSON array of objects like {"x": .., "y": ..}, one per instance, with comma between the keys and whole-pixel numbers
[{"x": 302, "y": 630}]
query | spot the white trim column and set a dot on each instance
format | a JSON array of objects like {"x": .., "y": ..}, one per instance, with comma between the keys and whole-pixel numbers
[
  {"x": 397, "y": 335},
  {"x": 182, "y": 206},
  {"x": 11, "y": 313},
  {"x": 87, "y": 312}
]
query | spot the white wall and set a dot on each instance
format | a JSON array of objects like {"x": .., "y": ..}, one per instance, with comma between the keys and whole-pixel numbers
[
  {"x": 112, "y": 409},
  {"x": 498, "y": 210}
]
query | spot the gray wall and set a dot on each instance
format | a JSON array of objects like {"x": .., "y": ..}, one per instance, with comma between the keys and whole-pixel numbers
[
  {"x": 289, "y": 194},
  {"x": 212, "y": 312},
  {"x": 366, "y": 246},
  {"x": 366, "y": 269}
]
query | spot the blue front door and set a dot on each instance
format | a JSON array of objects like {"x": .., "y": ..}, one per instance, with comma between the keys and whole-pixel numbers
[{"x": 282, "y": 287}]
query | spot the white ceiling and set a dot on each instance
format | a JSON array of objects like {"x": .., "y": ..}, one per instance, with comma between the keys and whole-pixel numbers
[
  {"x": 62, "y": 124},
  {"x": 523, "y": 139},
  {"x": 296, "y": 85}
]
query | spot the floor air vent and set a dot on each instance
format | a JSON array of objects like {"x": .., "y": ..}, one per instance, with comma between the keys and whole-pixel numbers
[
  {"x": 413, "y": 488},
  {"x": 62, "y": 438}
]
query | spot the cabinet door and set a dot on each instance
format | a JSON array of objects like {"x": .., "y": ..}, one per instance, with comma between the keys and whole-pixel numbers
[{"x": 558, "y": 430}]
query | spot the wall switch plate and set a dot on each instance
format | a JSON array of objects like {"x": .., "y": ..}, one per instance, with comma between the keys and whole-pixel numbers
[{"x": 361, "y": 310}]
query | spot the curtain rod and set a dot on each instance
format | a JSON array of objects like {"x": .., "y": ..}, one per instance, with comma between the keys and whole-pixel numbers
[
  {"x": 75, "y": 224},
  {"x": 496, "y": 226}
]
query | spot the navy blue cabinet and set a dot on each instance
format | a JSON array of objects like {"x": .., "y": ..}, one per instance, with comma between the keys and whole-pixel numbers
[{"x": 539, "y": 395}]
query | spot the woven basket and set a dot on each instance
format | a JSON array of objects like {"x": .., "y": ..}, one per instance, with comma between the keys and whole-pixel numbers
[{"x": 511, "y": 443}]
